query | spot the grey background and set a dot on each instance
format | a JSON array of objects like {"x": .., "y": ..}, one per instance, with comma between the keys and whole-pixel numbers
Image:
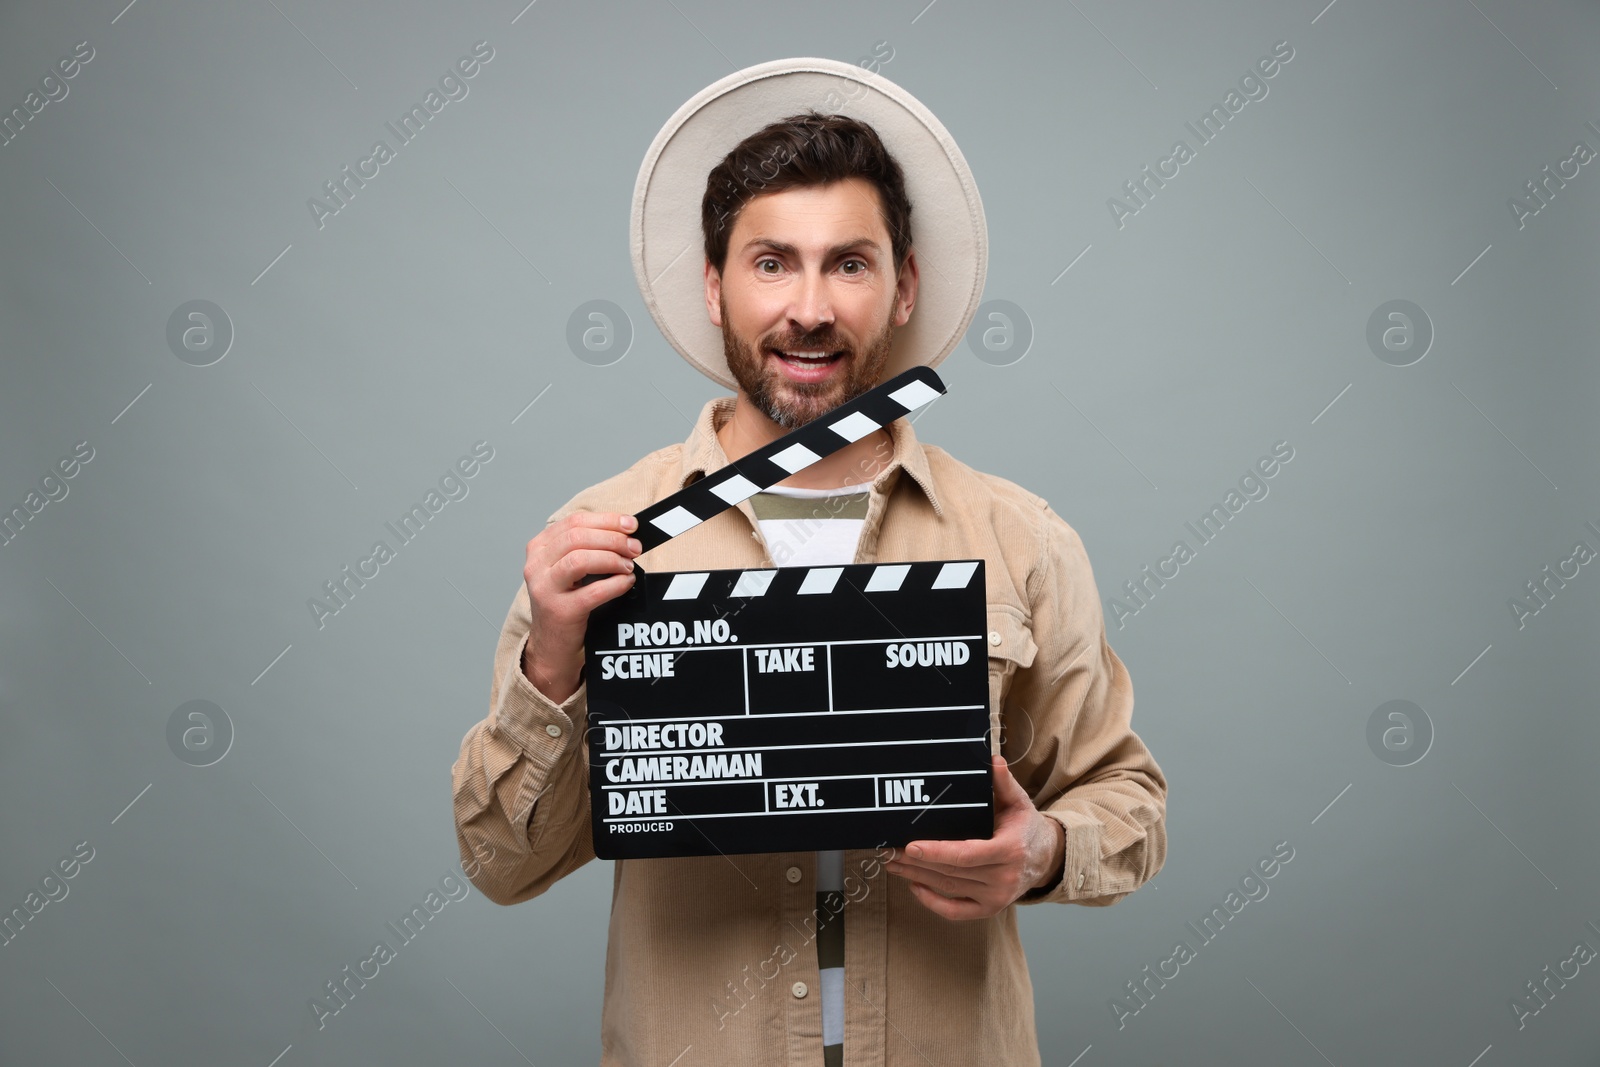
[{"x": 1229, "y": 314}]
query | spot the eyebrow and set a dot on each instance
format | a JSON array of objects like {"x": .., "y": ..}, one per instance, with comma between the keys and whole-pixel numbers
[{"x": 790, "y": 250}]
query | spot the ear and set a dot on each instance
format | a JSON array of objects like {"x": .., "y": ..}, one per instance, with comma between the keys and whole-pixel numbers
[
  {"x": 713, "y": 294},
  {"x": 905, "y": 297}
]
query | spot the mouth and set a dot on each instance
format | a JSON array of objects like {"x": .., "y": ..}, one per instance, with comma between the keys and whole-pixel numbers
[{"x": 804, "y": 365}]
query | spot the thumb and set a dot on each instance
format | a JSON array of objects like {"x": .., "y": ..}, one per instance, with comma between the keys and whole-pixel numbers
[{"x": 1008, "y": 792}]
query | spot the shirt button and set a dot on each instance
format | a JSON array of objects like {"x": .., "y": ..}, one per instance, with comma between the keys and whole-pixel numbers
[
  {"x": 1080, "y": 879},
  {"x": 798, "y": 989},
  {"x": 793, "y": 874},
  {"x": 553, "y": 730},
  {"x": 994, "y": 637}
]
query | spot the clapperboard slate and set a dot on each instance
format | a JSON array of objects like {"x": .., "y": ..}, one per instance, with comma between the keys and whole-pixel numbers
[{"x": 790, "y": 708}]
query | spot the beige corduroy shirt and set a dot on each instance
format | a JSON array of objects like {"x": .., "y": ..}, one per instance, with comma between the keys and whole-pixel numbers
[{"x": 711, "y": 960}]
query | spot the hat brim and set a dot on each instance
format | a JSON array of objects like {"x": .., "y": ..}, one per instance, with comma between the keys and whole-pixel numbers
[{"x": 949, "y": 235}]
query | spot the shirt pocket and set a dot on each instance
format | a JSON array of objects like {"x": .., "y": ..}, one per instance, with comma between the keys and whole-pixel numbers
[{"x": 1010, "y": 646}]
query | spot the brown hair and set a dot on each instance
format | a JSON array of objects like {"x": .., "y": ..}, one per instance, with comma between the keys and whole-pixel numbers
[{"x": 806, "y": 149}]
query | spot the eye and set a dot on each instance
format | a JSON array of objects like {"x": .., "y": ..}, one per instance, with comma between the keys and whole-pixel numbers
[
  {"x": 860, "y": 263},
  {"x": 760, "y": 263}
]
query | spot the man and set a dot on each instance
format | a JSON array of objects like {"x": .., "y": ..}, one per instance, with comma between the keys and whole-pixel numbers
[{"x": 811, "y": 280}]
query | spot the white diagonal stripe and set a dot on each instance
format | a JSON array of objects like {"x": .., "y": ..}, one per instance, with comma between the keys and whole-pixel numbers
[
  {"x": 887, "y": 577},
  {"x": 955, "y": 575},
  {"x": 736, "y": 488},
  {"x": 674, "y": 522},
  {"x": 795, "y": 457},
  {"x": 753, "y": 583},
  {"x": 821, "y": 579},
  {"x": 685, "y": 586},
  {"x": 913, "y": 396},
  {"x": 854, "y": 427}
]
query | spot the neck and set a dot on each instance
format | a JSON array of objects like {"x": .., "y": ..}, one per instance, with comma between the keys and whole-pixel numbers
[{"x": 747, "y": 429}]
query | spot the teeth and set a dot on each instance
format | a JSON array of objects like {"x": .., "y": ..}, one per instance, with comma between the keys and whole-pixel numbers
[{"x": 810, "y": 357}]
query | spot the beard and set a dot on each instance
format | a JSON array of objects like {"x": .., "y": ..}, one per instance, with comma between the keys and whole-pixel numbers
[{"x": 793, "y": 404}]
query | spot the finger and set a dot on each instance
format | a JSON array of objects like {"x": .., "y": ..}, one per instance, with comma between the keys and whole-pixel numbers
[
  {"x": 596, "y": 593},
  {"x": 582, "y": 537},
  {"x": 947, "y": 908},
  {"x": 589, "y": 536},
  {"x": 944, "y": 884},
  {"x": 974, "y": 870},
  {"x": 584, "y": 561},
  {"x": 605, "y": 520},
  {"x": 958, "y": 855}
]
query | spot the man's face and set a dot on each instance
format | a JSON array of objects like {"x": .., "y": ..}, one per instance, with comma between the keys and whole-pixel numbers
[{"x": 810, "y": 271}]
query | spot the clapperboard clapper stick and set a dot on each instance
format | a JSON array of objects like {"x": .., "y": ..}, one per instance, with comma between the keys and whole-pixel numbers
[
  {"x": 777, "y": 460},
  {"x": 791, "y": 708}
]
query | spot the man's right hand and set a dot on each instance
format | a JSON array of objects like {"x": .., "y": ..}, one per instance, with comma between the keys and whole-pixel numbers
[{"x": 583, "y": 543}]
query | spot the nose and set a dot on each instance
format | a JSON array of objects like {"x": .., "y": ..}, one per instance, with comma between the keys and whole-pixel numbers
[{"x": 813, "y": 304}]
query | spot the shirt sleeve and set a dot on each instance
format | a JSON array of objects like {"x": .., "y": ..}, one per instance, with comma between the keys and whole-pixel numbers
[
  {"x": 521, "y": 781},
  {"x": 1083, "y": 765}
]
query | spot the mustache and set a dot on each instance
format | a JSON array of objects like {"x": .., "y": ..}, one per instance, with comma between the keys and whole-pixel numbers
[{"x": 823, "y": 342}]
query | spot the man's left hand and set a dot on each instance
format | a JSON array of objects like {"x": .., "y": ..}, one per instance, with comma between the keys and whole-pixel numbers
[{"x": 979, "y": 878}]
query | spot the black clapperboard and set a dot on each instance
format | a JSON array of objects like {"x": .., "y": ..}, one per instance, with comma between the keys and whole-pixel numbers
[{"x": 790, "y": 708}]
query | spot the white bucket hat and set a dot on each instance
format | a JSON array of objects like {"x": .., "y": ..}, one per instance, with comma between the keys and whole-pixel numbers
[{"x": 950, "y": 237}]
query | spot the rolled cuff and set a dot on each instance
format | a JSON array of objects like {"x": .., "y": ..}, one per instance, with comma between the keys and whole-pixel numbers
[
  {"x": 1080, "y": 870},
  {"x": 541, "y": 728}
]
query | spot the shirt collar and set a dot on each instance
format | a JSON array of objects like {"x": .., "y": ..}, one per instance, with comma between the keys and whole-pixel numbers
[{"x": 703, "y": 454}]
